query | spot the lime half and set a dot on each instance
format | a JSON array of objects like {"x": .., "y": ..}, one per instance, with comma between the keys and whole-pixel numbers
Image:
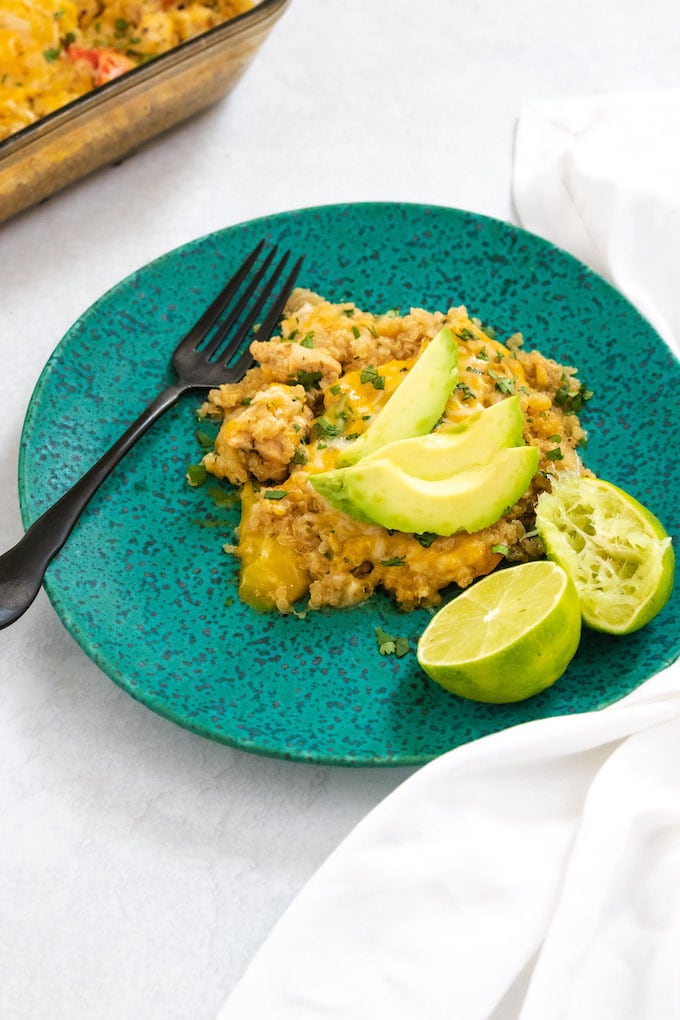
[
  {"x": 507, "y": 637},
  {"x": 614, "y": 549}
]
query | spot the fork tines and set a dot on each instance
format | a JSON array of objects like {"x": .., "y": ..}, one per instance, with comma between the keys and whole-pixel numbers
[{"x": 250, "y": 293}]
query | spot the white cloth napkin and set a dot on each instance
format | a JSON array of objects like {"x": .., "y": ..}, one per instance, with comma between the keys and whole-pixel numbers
[{"x": 534, "y": 874}]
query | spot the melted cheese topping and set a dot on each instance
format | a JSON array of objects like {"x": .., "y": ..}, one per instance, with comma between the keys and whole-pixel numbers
[{"x": 53, "y": 51}]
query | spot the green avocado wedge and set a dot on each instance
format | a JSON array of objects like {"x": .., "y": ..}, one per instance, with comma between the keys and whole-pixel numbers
[
  {"x": 416, "y": 405},
  {"x": 381, "y": 492},
  {"x": 444, "y": 453}
]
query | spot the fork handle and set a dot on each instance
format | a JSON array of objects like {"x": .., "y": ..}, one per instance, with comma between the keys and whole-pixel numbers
[{"x": 23, "y": 567}]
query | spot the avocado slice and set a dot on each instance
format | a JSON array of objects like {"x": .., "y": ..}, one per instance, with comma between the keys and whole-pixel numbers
[
  {"x": 416, "y": 405},
  {"x": 381, "y": 492},
  {"x": 474, "y": 441}
]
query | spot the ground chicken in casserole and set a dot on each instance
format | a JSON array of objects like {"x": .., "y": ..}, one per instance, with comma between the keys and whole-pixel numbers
[
  {"x": 53, "y": 51},
  {"x": 315, "y": 389}
]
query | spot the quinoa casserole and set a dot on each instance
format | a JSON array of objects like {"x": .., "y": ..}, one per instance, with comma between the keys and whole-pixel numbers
[
  {"x": 313, "y": 390},
  {"x": 53, "y": 51}
]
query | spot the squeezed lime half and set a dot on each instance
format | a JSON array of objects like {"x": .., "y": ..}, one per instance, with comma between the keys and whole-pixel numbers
[{"x": 614, "y": 549}]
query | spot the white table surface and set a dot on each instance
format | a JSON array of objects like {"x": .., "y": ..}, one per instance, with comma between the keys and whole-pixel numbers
[{"x": 141, "y": 866}]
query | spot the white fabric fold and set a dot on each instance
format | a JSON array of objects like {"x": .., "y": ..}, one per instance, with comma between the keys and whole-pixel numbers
[
  {"x": 436, "y": 902},
  {"x": 535, "y": 873},
  {"x": 601, "y": 178}
]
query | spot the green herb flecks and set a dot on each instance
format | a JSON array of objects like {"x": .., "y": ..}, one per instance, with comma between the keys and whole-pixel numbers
[
  {"x": 503, "y": 383},
  {"x": 426, "y": 539},
  {"x": 570, "y": 400},
  {"x": 327, "y": 429},
  {"x": 389, "y": 645},
  {"x": 309, "y": 380},
  {"x": 464, "y": 391},
  {"x": 371, "y": 375},
  {"x": 204, "y": 440},
  {"x": 196, "y": 475}
]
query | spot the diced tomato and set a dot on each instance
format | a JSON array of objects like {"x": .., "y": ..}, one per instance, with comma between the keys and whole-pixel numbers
[{"x": 107, "y": 63}]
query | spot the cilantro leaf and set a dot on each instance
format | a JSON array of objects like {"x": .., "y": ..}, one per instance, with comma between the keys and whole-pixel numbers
[
  {"x": 196, "y": 475},
  {"x": 572, "y": 401},
  {"x": 389, "y": 645},
  {"x": 371, "y": 375}
]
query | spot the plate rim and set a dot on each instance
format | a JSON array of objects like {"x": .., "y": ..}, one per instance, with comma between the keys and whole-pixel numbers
[{"x": 86, "y": 643}]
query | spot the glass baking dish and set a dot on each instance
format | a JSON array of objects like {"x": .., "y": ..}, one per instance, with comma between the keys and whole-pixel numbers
[{"x": 107, "y": 124}]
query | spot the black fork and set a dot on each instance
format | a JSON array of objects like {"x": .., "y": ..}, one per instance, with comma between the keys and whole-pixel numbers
[{"x": 203, "y": 359}]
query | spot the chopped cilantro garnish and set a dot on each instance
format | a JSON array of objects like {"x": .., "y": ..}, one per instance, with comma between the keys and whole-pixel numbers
[
  {"x": 323, "y": 427},
  {"x": 299, "y": 457},
  {"x": 307, "y": 341},
  {"x": 196, "y": 475},
  {"x": 306, "y": 379},
  {"x": 388, "y": 645},
  {"x": 465, "y": 334},
  {"x": 393, "y": 561},
  {"x": 501, "y": 549},
  {"x": 204, "y": 440},
  {"x": 426, "y": 539},
  {"x": 275, "y": 494},
  {"x": 51, "y": 54},
  {"x": 371, "y": 375},
  {"x": 555, "y": 454},
  {"x": 504, "y": 383},
  {"x": 465, "y": 391},
  {"x": 572, "y": 400}
]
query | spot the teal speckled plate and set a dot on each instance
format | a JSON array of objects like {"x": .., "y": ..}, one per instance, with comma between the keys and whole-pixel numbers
[{"x": 143, "y": 585}]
